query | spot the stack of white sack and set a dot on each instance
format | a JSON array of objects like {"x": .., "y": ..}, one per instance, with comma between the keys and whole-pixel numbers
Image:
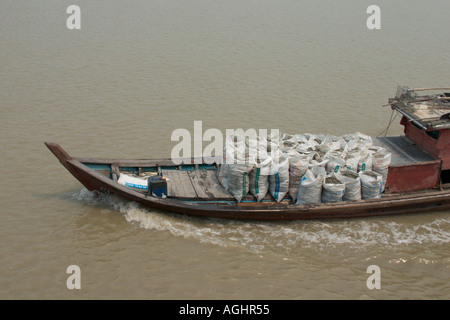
[
  {"x": 352, "y": 152},
  {"x": 236, "y": 166},
  {"x": 259, "y": 178},
  {"x": 298, "y": 164},
  {"x": 381, "y": 160},
  {"x": 279, "y": 177},
  {"x": 280, "y": 165},
  {"x": 262, "y": 152},
  {"x": 268, "y": 160}
]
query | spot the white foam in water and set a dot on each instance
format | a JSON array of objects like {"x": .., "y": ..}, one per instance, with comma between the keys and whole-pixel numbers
[{"x": 258, "y": 236}]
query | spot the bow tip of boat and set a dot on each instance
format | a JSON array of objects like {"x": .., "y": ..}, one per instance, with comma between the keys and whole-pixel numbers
[{"x": 58, "y": 151}]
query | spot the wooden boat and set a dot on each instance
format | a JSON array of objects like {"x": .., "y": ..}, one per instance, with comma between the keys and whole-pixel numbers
[{"x": 418, "y": 178}]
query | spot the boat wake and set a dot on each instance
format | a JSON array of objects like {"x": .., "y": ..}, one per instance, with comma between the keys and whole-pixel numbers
[{"x": 285, "y": 237}]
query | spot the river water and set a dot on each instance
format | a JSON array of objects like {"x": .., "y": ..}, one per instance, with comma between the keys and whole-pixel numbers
[{"x": 136, "y": 71}]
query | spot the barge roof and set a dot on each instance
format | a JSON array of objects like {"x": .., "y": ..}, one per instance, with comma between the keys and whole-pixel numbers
[
  {"x": 404, "y": 152},
  {"x": 430, "y": 112}
]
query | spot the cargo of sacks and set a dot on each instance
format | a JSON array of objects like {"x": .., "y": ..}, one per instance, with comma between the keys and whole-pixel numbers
[
  {"x": 234, "y": 173},
  {"x": 308, "y": 168}
]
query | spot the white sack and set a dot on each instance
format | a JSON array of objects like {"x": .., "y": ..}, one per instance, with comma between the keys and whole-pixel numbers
[
  {"x": 352, "y": 185},
  {"x": 259, "y": 179},
  {"x": 371, "y": 184},
  {"x": 333, "y": 188},
  {"x": 279, "y": 178},
  {"x": 298, "y": 165},
  {"x": 310, "y": 188}
]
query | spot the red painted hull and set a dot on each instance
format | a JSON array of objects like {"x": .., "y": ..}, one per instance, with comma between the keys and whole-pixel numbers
[
  {"x": 439, "y": 148},
  {"x": 412, "y": 178}
]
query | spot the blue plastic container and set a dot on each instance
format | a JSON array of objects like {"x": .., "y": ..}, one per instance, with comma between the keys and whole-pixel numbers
[{"x": 157, "y": 186}]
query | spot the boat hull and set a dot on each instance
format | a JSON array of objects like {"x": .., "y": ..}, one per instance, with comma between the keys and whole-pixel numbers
[{"x": 390, "y": 204}]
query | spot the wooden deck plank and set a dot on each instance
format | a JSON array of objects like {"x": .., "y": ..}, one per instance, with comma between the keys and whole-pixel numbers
[
  {"x": 215, "y": 187},
  {"x": 179, "y": 184},
  {"x": 173, "y": 183},
  {"x": 198, "y": 185},
  {"x": 208, "y": 186}
]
